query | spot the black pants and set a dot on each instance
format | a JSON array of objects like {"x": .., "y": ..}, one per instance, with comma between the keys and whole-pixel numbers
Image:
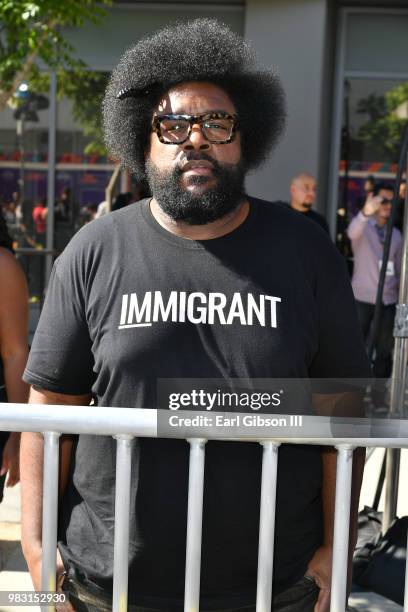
[
  {"x": 382, "y": 364},
  {"x": 301, "y": 597}
]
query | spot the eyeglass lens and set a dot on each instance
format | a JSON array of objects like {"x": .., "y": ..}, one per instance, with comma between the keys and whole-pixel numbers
[{"x": 177, "y": 130}]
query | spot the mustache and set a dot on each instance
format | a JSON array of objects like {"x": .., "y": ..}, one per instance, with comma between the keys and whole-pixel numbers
[{"x": 199, "y": 156}]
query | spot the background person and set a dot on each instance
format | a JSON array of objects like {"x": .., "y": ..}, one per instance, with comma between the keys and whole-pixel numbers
[
  {"x": 13, "y": 351},
  {"x": 367, "y": 234},
  {"x": 87, "y": 214},
  {"x": 122, "y": 200},
  {"x": 16, "y": 200},
  {"x": 303, "y": 197},
  {"x": 39, "y": 214},
  {"x": 303, "y": 190},
  {"x": 62, "y": 210}
]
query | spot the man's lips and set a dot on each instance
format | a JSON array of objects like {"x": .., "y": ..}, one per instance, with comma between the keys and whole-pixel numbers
[{"x": 198, "y": 167}]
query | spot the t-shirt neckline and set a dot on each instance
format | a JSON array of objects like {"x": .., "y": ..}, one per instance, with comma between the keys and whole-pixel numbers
[{"x": 187, "y": 243}]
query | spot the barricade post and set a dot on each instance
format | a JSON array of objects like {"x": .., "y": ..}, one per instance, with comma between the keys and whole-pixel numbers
[
  {"x": 125, "y": 423},
  {"x": 341, "y": 527},
  {"x": 406, "y": 581},
  {"x": 194, "y": 524},
  {"x": 50, "y": 514},
  {"x": 122, "y": 513},
  {"x": 267, "y": 526}
]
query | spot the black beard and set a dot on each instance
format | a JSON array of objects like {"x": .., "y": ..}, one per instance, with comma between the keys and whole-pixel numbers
[{"x": 211, "y": 204}]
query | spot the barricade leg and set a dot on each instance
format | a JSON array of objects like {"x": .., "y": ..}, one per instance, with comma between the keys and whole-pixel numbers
[
  {"x": 50, "y": 514},
  {"x": 341, "y": 527},
  {"x": 406, "y": 582},
  {"x": 392, "y": 469},
  {"x": 267, "y": 526},
  {"x": 122, "y": 516},
  {"x": 194, "y": 525}
]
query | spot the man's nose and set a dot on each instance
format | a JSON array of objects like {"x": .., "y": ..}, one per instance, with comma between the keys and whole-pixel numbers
[{"x": 196, "y": 140}]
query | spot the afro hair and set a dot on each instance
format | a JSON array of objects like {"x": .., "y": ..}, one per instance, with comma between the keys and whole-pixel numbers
[{"x": 200, "y": 50}]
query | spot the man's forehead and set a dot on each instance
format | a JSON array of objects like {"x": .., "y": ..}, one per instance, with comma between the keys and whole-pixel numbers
[
  {"x": 304, "y": 179},
  {"x": 195, "y": 97}
]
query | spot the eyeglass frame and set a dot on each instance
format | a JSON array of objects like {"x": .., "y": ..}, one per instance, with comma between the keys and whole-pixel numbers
[{"x": 195, "y": 120}]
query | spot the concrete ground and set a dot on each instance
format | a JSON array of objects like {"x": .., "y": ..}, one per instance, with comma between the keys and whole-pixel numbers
[
  {"x": 13, "y": 569},
  {"x": 14, "y": 575}
]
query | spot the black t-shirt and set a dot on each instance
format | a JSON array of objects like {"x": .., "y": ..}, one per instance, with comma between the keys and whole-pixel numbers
[
  {"x": 317, "y": 218},
  {"x": 108, "y": 325},
  {"x": 310, "y": 214}
]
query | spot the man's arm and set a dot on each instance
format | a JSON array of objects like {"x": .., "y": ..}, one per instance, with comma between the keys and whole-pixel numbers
[
  {"x": 31, "y": 471},
  {"x": 359, "y": 456},
  {"x": 358, "y": 224},
  {"x": 320, "y": 566},
  {"x": 13, "y": 350}
]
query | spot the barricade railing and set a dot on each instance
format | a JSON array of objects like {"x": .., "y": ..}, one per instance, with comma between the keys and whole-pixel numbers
[{"x": 127, "y": 423}]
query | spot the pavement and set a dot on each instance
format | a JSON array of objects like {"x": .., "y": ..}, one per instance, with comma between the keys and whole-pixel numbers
[{"x": 14, "y": 575}]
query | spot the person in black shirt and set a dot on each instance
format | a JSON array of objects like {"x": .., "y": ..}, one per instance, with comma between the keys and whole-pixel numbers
[
  {"x": 199, "y": 281},
  {"x": 303, "y": 198}
]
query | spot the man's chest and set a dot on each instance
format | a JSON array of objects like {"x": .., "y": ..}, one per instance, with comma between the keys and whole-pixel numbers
[
  {"x": 205, "y": 317},
  {"x": 375, "y": 240}
]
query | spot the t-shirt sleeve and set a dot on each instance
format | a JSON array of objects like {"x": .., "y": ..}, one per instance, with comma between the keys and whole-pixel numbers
[
  {"x": 341, "y": 352},
  {"x": 61, "y": 357}
]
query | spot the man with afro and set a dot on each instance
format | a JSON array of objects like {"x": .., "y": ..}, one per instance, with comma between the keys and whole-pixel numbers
[{"x": 199, "y": 281}]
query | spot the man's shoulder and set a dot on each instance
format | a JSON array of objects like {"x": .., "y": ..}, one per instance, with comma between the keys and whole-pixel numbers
[
  {"x": 100, "y": 237},
  {"x": 280, "y": 211},
  {"x": 280, "y": 204},
  {"x": 103, "y": 228},
  {"x": 316, "y": 215},
  {"x": 303, "y": 237},
  {"x": 319, "y": 219},
  {"x": 117, "y": 217}
]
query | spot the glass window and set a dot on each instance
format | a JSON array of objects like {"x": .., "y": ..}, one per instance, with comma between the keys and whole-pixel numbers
[
  {"x": 23, "y": 163},
  {"x": 375, "y": 113},
  {"x": 83, "y": 170},
  {"x": 82, "y": 174},
  {"x": 377, "y": 42}
]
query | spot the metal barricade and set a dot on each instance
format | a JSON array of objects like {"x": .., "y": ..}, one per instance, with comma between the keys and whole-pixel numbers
[{"x": 125, "y": 424}]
